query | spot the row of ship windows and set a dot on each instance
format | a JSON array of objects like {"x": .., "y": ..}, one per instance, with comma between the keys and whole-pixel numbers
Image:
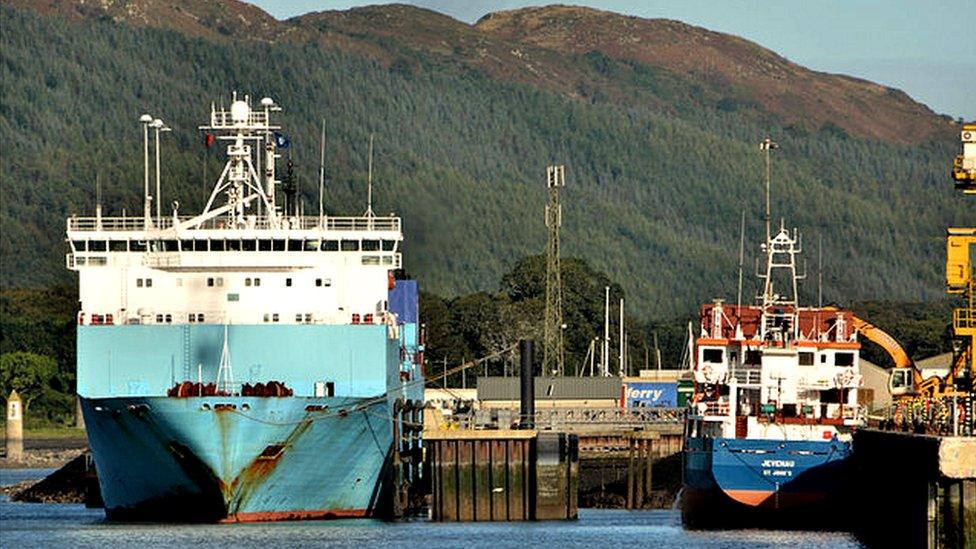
[
  {"x": 717, "y": 356},
  {"x": 218, "y": 282},
  {"x": 234, "y": 245},
  {"x": 200, "y": 317}
]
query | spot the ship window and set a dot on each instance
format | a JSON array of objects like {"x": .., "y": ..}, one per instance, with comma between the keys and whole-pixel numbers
[
  {"x": 844, "y": 359},
  {"x": 217, "y": 245},
  {"x": 200, "y": 317},
  {"x": 308, "y": 317},
  {"x": 371, "y": 245},
  {"x": 753, "y": 357},
  {"x": 220, "y": 281},
  {"x": 257, "y": 281},
  {"x": 171, "y": 245},
  {"x": 96, "y": 245},
  {"x": 715, "y": 356},
  {"x": 311, "y": 245},
  {"x": 264, "y": 245},
  {"x": 149, "y": 283},
  {"x": 806, "y": 359},
  {"x": 388, "y": 260},
  {"x": 249, "y": 245},
  {"x": 327, "y": 282},
  {"x": 137, "y": 245},
  {"x": 138, "y": 283},
  {"x": 330, "y": 245},
  {"x": 200, "y": 246},
  {"x": 350, "y": 245},
  {"x": 169, "y": 318},
  {"x": 389, "y": 245},
  {"x": 371, "y": 260},
  {"x": 159, "y": 318},
  {"x": 186, "y": 245},
  {"x": 288, "y": 282},
  {"x": 210, "y": 281},
  {"x": 294, "y": 245},
  {"x": 278, "y": 245},
  {"x": 234, "y": 245},
  {"x": 193, "y": 317},
  {"x": 318, "y": 282},
  {"x": 823, "y": 359},
  {"x": 233, "y": 297},
  {"x": 298, "y": 317},
  {"x": 97, "y": 261},
  {"x": 267, "y": 317},
  {"x": 79, "y": 261},
  {"x": 118, "y": 245},
  {"x": 78, "y": 245},
  {"x": 274, "y": 317},
  {"x": 247, "y": 281}
]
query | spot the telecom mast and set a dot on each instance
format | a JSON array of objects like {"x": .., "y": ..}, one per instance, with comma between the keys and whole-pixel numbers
[{"x": 552, "y": 358}]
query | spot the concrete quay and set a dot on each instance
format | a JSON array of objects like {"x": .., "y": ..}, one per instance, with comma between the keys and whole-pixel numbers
[{"x": 915, "y": 490}]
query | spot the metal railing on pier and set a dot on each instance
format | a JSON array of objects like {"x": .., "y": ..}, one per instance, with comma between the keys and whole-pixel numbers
[{"x": 572, "y": 418}]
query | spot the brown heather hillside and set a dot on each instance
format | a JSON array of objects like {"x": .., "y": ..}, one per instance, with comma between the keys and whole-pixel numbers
[
  {"x": 558, "y": 49},
  {"x": 779, "y": 86}
]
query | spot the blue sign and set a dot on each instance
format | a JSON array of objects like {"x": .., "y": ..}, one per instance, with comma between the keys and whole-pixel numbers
[{"x": 651, "y": 395}]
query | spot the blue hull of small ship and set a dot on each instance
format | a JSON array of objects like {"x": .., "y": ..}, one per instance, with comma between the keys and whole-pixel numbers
[
  {"x": 239, "y": 458},
  {"x": 764, "y": 483}
]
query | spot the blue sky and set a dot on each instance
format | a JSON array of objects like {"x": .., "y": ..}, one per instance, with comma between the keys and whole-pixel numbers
[{"x": 920, "y": 47}]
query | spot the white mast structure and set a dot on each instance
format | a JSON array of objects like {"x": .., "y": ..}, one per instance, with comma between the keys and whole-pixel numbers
[
  {"x": 780, "y": 311},
  {"x": 241, "y": 126}
]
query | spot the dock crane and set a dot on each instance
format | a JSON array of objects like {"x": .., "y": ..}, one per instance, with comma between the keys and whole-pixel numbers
[{"x": 964, "y": 165}]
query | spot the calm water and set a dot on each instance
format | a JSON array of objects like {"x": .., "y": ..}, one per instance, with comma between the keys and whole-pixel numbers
[{"x": 33, "y": 525}]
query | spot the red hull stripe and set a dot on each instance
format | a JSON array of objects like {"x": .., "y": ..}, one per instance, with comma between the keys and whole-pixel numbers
[
  {"x": 323, "y": 514},
  {"x": 756, "y": 498}
]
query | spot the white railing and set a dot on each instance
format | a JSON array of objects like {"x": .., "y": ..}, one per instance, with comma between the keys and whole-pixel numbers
[{"x": 301, "y": 223}]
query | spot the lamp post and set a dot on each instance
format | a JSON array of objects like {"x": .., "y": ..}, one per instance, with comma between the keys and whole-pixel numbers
[
  {"x": 145, "y": 120},
  {"x": 159, "y": 126}
]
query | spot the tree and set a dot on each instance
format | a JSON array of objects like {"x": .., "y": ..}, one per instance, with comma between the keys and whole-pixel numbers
[{"x": 27, "y": 373}]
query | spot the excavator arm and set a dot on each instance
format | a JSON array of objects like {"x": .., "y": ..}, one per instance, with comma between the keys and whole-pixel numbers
[{"x": 905, "y": 377}]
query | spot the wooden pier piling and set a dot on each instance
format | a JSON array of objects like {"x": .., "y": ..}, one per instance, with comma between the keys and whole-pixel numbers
[{"x": 502, "y": 475}]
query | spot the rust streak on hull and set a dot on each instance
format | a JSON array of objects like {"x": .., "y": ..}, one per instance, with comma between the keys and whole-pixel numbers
[{"x": 322, "y": 514}]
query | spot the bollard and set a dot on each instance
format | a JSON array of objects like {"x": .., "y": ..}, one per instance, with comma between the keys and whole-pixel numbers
[{"x": 15, "y": 427}]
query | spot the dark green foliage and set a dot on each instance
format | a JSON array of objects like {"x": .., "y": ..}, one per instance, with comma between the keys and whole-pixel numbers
[
  {"x": 656, "y": 183},
  {"x": 922, "y": 329},
  {"x": 27, "y": 373}
]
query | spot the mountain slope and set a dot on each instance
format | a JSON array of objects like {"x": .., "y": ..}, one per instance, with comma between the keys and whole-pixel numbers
[{"x": 657, "y": 171}]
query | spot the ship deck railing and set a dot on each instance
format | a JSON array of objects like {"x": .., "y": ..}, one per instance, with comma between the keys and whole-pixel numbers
[{"x": 298, "y": 223}]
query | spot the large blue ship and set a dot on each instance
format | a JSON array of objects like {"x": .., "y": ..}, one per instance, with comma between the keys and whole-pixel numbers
[
  {"x": 769, "y": 430},
  {"x": 248, "y": 363}
]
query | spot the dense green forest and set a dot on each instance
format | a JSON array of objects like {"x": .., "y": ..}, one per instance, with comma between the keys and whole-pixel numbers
[{"x": 653, "y": 196}]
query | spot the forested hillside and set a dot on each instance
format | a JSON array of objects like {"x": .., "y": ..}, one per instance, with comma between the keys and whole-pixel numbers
[{"x": 659, "y": 164}]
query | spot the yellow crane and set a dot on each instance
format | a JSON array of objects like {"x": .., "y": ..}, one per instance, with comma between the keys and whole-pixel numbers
[{"x": 964, "y": 165}]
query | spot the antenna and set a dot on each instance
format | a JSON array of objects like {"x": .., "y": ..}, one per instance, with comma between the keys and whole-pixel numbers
[
  {"x": 98, "y": 200},
  {"x": 820, "y": 270},
  {"x": 620, "y": 359},
  {"x": 766, "y": 145},
  {"x": 606, "y": 333},
  {"x": 369, "y": 180},
  {"x": 552, "y": 357},
  {"x": 322, "y": 178},
  {"x": 742, "y": 251}
]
